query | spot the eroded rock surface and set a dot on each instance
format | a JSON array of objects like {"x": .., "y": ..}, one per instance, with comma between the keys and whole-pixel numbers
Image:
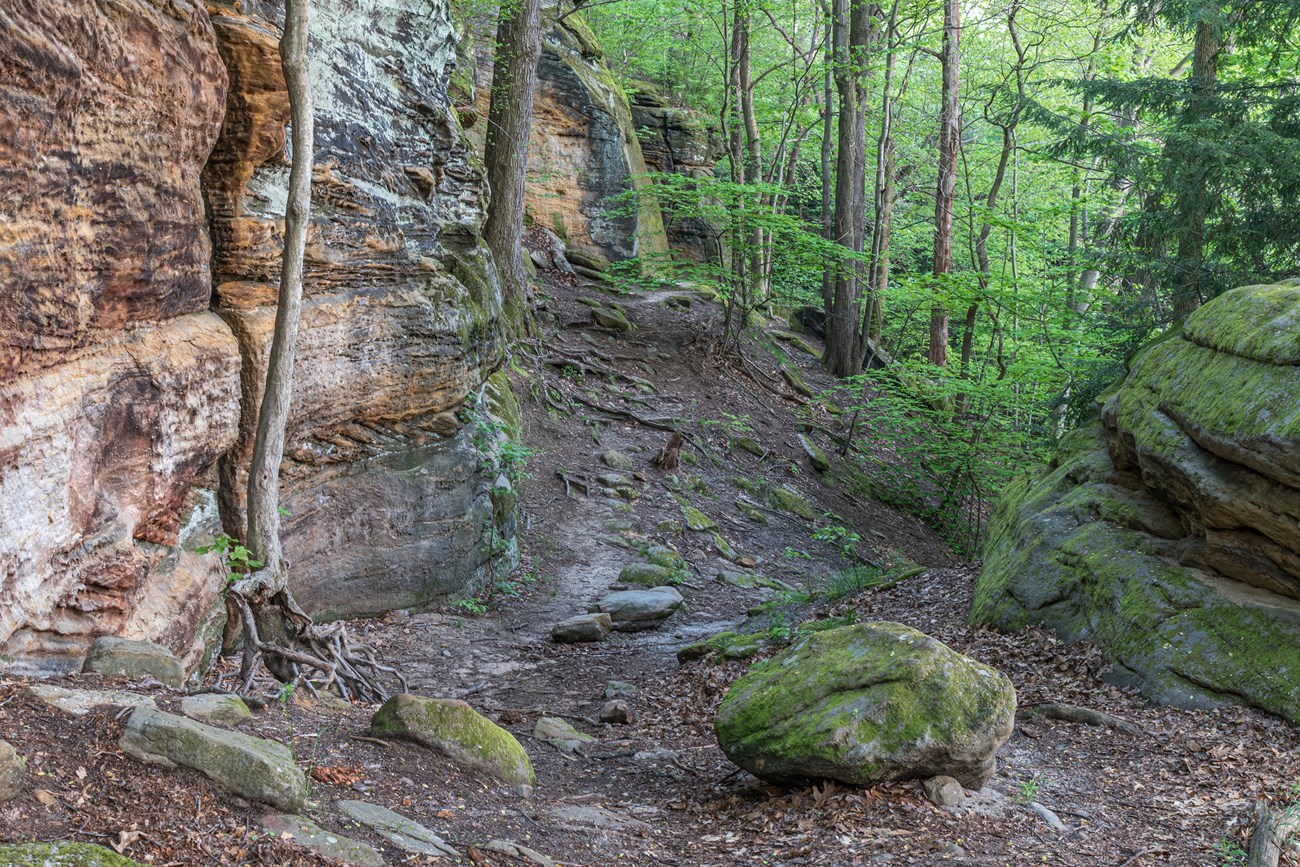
[{"x": 1170, "y": 532}]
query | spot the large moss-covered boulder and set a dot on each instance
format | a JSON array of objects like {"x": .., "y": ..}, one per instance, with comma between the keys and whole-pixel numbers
[
  {"x": 454, "y": 728},
  {"x": 1169, "y": 532},
  {"x": 867, "y": 703},
  {"x": 62, "y": 855}
]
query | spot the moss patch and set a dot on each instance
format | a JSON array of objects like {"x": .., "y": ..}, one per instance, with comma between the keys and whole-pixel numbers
[{"x": 62, "y": 855}]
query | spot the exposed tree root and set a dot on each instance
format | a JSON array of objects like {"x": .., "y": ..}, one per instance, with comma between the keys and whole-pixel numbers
[{"x": 1082, "y": 715}]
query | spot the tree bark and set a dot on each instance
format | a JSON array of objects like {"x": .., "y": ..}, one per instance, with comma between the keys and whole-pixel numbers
[
  {"x": 946, "y": 194},
  {"x": 828, "y": 150},
  {"x": 510, "y": 117},
  {"x": 1190, "y": 289},
  {"x": 855, "y": 29}
]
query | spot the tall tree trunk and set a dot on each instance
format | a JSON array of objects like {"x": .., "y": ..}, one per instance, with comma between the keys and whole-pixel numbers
[
  {"x": 828, "y": 149},
  {"x": 946, "y": 194},
  {"x": 1190, "y": 289},
  {"x": 855, "y": 25},
  {"x": 882, "y": 200},
  {"x": 510, "y": 117}
]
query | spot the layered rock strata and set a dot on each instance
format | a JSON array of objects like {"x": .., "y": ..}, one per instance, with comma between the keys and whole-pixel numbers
[{"x": 1169, "y": 533}]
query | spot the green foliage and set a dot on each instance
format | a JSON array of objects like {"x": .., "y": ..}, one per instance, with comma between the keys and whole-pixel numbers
[{"x": 239, "y": 561}]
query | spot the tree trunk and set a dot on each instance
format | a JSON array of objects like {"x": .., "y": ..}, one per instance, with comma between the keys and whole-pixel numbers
[
  {"x": 510, "y": 117},
  {"x": 883, "y": 201},
  {"x": 1190, "y": 290},
  {"x": 854, "y": 24},
  {"x": 946, "y": 194},
  {"x": 828, "y": 149}
]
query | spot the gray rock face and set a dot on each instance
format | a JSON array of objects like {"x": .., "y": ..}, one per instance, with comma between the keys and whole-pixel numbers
[
  {"x": 135, "y": 660},
  {"x": 221, "y": 710},
  {"x": 583, "y": 627},
  {"x": 332, "y": 847},
  {"x": 79, "y": 702},
  {"x": 867, "y": 703},
  {"x": 12, "y": 769},
  {"x": 456, "y": 729},
  {"x": 255, "y": 768},
  {"x": 636, "y": 610},
  {"x": 404, "y": 833}
]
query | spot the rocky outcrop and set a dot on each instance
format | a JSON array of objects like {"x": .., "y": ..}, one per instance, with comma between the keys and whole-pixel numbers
[
  {"x": 143, "y": 160},
  {"x": 1169, "y": 533},
  {"x": 118, "y": 389},
  {"x": 584, "y": 148}
]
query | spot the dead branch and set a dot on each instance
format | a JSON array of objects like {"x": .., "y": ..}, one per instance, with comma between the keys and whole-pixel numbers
[
  {"x": 1274, "y": 832},
  {"x": 1081, "y": 715}
]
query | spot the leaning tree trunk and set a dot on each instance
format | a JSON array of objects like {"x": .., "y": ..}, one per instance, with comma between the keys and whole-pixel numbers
[
  {"x": 510, "y": 117},
  {"x": 265, "y": 595},
  {"x": 945, "y": 199}
]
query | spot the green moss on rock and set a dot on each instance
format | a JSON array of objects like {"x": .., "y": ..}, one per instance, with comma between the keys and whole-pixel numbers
[{"x": 62, "y": 855}]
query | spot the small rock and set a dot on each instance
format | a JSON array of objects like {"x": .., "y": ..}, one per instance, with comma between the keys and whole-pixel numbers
[
  {"x": 583, "y": 627},
  {"x": 256, "y": 768},
  {"x": 662, "y": 555},
  {"x": 135, "y": 660},
  {"x": 587, "y": 258},
  {"x": 616, "y": 460},
  {"x": 559, "y": 733},
  {"x": 816, "y": 456},
  {"x": 519, "y": 850},
  {"x": 404, "y": 833},
  {"x": 647, "y": 574},
  {"x": 12, "y": 768},
  {"x": 611, "y": 319},
  {"x": 67, "y": 854},
  {"x": 752, "y": 581},
  {"x": 750, "y": 445},
  {"x": 453, "y": 727},
  {"x": 618, "y": 712},
  {"x": 333, "y": 847},
  {"x": 580, "y": 816},
  {"x": 618, "y": 525},
  {"x": 636, "y": 610},
  {"x": 214, "y": 709},
  {"x": 1053, "y": 820},
  {"x": 617, "y": 688},
  {"x": 658, "y": 754},
  {"x": 944, "y": 791},
  {"x": 613, "y": 480},
  {"x": 79, "y": 702}
]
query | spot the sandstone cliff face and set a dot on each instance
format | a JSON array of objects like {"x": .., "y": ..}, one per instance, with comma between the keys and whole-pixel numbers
[
  {"x": 1170, "y": 533},
  {"x": 131, "y": 347},
  {"x": 584, "y": 148}
]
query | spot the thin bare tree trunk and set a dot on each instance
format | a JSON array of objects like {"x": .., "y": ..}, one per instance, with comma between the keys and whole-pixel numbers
[
  {"x": 268, "y": 445},
  {"x": 946, "y": 195},
  {"x": 828, "y": 149},
  {"x": 510, "y": 116}
]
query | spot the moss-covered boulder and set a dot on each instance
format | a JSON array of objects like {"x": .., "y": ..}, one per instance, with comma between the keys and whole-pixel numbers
[
  {"x": 256, "y": 768},
  {"x": 867, "y": 703},
  {"x": 62, "y": 855},
  {"x": 1169, "y": 532},
  {"x": 121, "y": 657},
  {"x": 454, "y": 728}
]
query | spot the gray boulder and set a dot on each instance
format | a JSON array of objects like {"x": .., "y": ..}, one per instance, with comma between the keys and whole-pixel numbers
[
  {"x": 332, "y": 847},
  {"x": 256, "y": 768},
  {"x": 79, "y": 702},
  {"x": 864, "y": 704},
  {"x": 583, "y": 627},
  {"x": 636, "y": 610},
  {"x": 135, "y": 660}
]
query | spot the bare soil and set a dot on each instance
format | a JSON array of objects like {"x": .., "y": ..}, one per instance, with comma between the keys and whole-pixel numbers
[{"x": 659, "y": 791}]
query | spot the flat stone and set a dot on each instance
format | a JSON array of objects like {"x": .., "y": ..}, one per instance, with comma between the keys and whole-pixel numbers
[
  {"x": 214, "y": 709},
  {"x": 559, "y": 733},
  {"x": 457, "y": 730},
  {"x": 12, "y": 769},
  {"x": 255, "y": 768},
  {"x": 519, "y": 850},
  {"x": 67, "y": 854},
  {"x": 616, "y": 460},
  {"x": 613, "y": 480},
  {"x": 79, "y": 702},
  {"x": 121, "y": 657},
  {"x": 583, "y": 627},
  {"x": 332, "y": 847},
  {"x": 579, "y": 816},
  {"x": 607, "y": 318},
  {"x": 617, "y": 712},
  {"x": 636, "y": 610},
  {"x": 662, "y": 555},
  {"x": 619, "y": 688},
  {"x": 406, "y": 834},
  {"x": 944, "y": 791}
]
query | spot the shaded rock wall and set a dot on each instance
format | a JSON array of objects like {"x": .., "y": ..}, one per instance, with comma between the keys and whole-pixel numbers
[
  {"x": 584, "y": 148},
  {"x": 132, "y": 346},
  {"x": 118, "y": 389},
  {"x": 1170, "y": 532}
]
